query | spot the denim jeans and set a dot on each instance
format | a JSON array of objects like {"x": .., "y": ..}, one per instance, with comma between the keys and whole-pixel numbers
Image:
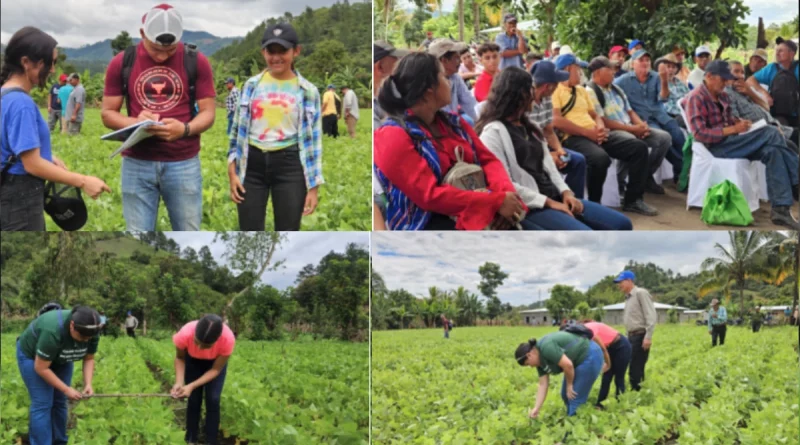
[
  {"x": 639, "y": 358},
  {"x": 22, "y": 204},
  {"x": 718, "y": 331},
  {"x": 179, "y": 183},
  {"x": 576, "y": 173},
  {"x": 620, "y": 355},
  {"x": 48, "y": 412},
  {"x": 230, "y": 123},
  {"x": 446, "y": 333},
  {"x": 595, "y": 217},
  {"x": 585, "y": 375},
  {"x": 675, "y": 153},
  {"x": 768, "y": 146},
  {"x": 195, "y": 368}
]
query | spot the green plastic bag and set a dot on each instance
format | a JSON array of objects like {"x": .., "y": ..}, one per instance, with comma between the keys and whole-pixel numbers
[{"x": 726, "y": 204}]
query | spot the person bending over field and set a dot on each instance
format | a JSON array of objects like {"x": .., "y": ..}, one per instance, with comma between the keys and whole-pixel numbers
[
  {"x": 201, "y": 363},
  {"x": 619, "y": 351},
  {"x": 276, "y": 149},
  {"x": 25, "y": 151},
  {"x": 520, "y": 145},
  {"x": 46, "y": 351},
  {"x": 416, "y": 147},
  {"x": 580, "y": 359}
]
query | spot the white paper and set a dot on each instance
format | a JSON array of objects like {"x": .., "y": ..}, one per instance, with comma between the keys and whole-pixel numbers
[
  {"x": 130, "y": 136},
  {"x": 761, "y": 123}
]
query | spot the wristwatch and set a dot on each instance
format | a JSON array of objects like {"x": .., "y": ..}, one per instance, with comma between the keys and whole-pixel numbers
[{"x": 186, "y": 129}]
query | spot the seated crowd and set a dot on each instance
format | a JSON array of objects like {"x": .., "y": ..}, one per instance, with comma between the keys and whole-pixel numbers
[{"x": 497, "y": 137}]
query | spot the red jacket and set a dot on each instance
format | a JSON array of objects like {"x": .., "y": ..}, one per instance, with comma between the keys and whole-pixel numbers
[
  {"x": 396, "y": 157},
  {"x": 482, "y": 86}
]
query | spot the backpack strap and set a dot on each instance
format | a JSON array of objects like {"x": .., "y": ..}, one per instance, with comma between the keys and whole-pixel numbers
[
  {"x": 190, "y": 66},
  {"x": 128, "y": 60},
  {"x": 570, "y": 103},
  {"x": 599, "y": 93}
]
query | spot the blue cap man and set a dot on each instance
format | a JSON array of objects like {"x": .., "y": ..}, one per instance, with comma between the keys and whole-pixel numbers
[
  {"x": 565, "y": 60},
  {"x": 625, "y": 275},
  {"x": 545, "y": 72},
  {"x": 635, "y": 44}
]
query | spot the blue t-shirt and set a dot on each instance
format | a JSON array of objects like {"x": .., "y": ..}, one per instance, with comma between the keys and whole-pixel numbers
[
  {"x": 506, "y": 42},
  {"x": 54, "y": 95},
  {"x": 63, "y": 94},
  {"x": 767, "y": 74},
  {"x": 23, "y": 129}
]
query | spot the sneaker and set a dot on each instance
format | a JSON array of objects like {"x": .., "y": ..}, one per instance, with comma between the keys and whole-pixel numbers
[
  {"x": 640, "y": 207},
  {"x": 652, "y": 187},
  {"x": 782, "y": 216}
]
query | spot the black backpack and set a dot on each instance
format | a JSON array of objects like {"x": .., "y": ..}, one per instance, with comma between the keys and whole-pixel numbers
[
  {"x": 599, "y": 93},
  {"x": 578, "y": 329},
  {"x": 785, "y": 91},
  {"x": 189, "y": 65}
]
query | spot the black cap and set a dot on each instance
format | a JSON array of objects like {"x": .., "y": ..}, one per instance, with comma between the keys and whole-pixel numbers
[
  {"x": 600, "y": 62},
  {"x": 208, "y": 329},
  {"x": 87, "y": 320},
  {"x": 283, "y": 34},
  {"x": 787, "y": 42},
  {"x": 720, "y": 68},
  {"x": 382, "y": 48},
  {"x": 65, "y": 206}
]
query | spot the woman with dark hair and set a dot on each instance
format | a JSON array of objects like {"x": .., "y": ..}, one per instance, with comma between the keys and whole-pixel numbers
[
  {"x": 520, "y": 145},
  {"x": 580, "y": 359},
  {"x": 619, "y": 352},
  {"x": 46, "y": 351},
  {"x": 418, "y": 144},
  {"x": 25, "y": 152},
  {"x": 276, "y": 145},
  {"x": 201, "y": 363}
]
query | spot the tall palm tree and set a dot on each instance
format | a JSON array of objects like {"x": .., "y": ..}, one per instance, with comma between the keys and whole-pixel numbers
[{"x": 736, "y": 263}]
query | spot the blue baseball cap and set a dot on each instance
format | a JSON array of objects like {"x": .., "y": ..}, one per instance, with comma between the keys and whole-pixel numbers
[
  {"x": 625, "y": 275},
  {"x": 720, "y": 68},
  {"x": 566, "y": 60},
  {"x": 230, "y": 80},
  {"x": 331, "y": 87},
  {"x": 639, "y": 54},
  {"x": 634, "y": 43},
  {"x": 545, "y": 71}
]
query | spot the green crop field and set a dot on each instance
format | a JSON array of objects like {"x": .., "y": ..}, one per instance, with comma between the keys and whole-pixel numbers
[
  {"x": 344, "y": 200},
  {"x": 304, "y": 392},
  {"x": 468, "y": 389}
]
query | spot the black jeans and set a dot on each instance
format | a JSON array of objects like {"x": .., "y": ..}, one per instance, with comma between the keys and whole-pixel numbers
[
  {"x": 22, "y": 203},
  {"x": 131, "y": 332},
  {"x": 631, "y": 151},
  {"x": 279, "y": 173},
  {"x": 195, "y": 368},
  {"x": 639, "y": 358},
  {"x": 620, "y": 354},
  {"x": 718, "y": 331},
  {"x": 756, "y": 326},
  {"x": 330, "y": 125}
]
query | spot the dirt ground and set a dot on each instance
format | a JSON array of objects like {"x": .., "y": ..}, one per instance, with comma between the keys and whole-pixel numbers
[{"x": 672, "y": 214}]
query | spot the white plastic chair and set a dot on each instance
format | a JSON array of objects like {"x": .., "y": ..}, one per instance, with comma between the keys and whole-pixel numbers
[
  {"x": 708, "y": 171},
  {"x": 611, "y": 196}
]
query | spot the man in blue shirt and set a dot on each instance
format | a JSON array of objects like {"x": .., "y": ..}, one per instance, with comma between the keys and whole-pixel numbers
[
  {"x": 54, "y": 104},
  {"x": 512, "y": 44},
  {"x": 461, "y": 100},
  {"x": 785, "y": 52},
  {"x": 717, "y": 319},
  {"x": 63, "y": 98},
  {"x": 647, "y": 91}
]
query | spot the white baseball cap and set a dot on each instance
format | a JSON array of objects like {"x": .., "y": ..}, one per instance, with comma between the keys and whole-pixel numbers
[
  {"x": 163, "y": 25},
  {"x": 556, "y": 44},
  {"x": 702, "y": 49}
]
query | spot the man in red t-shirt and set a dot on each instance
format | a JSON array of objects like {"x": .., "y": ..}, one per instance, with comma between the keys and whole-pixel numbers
[
  {"x": 489, "y": 54},
  {"x": 165, "y": 165}
]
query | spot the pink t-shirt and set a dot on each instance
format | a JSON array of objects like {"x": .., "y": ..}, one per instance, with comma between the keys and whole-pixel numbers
[
  {"x": 184, "y": 339},
  {"x": 604, "y": 332}
]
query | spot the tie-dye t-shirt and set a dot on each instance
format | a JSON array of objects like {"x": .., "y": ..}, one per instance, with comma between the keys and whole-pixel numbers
[{"x": 275, "y": 113}]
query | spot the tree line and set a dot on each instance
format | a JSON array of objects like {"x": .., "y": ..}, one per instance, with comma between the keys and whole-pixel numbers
[{"x": 165, "y": 285}]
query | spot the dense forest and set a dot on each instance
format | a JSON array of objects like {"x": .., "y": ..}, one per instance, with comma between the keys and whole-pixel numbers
[
  {"x": 756, "y": 268},
  {"x": 165, "y": 285}
]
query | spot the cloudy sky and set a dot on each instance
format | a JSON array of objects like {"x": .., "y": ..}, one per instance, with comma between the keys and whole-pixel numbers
[
  {"x": 78, "y": 22},
  {"x": 301, "y": 248},
  {"x": 770, "y": 10},
  {"x": 416, "y": 261}
]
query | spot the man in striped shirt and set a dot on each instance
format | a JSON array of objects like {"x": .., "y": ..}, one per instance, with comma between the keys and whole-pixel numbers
[
  {"x": 231, "y": 101},
  {"x": 717, "y": 320},
  {"x": 711, "y": 120}
]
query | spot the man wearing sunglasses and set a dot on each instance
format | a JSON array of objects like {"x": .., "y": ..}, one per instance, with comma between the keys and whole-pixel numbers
[
  {"x": 46, "y": 351},
  {"x": 161, "y": 80}
]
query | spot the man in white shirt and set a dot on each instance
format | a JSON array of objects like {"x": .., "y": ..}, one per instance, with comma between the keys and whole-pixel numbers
[
  {"x": 350, "y": 105},
  {"x": 702, "y": 55}
]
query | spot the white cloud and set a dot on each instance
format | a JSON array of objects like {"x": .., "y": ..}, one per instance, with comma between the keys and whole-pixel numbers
[
  {"x": 535, "y": 261},
  {"x": 74, "y": 23}
]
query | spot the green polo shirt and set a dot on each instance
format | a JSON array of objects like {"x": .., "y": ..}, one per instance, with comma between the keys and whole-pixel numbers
[
  {"x": 553, "y": 346},
  {"x": 53, "y": 343}
]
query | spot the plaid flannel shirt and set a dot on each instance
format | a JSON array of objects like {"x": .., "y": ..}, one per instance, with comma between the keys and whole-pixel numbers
[
  {"x": 309, "y": 137},
  {"x": 232, "y": 100},
  {"x": 705, "y": 116}
]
